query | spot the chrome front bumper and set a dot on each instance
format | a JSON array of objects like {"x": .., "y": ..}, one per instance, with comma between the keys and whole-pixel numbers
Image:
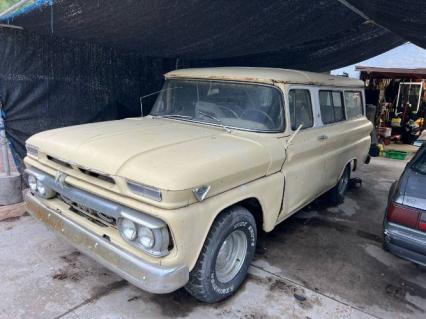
[{"x": 146, "y": 276}]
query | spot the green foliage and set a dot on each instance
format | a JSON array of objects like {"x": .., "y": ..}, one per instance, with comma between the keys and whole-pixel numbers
[{"x": 4, "y": 4}]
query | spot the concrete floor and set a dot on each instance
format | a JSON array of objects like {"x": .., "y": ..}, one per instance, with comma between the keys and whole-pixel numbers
[{"x": 324, "y": 262}]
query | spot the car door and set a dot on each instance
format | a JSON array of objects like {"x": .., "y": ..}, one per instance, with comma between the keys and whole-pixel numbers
[
  {"x": 304, "y": 166},
  {"x": 346, "y": 131},
  {"x": 334, "y": 134}
]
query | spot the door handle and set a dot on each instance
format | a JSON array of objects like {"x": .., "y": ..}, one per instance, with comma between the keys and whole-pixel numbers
[{"x": 322, "y": 137}]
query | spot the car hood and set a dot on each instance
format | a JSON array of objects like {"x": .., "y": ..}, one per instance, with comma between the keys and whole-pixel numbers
[{"x": 167, "y": 154}]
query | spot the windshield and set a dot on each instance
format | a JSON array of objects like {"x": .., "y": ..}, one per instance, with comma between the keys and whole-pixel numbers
[{"x": 228, "y": 104}]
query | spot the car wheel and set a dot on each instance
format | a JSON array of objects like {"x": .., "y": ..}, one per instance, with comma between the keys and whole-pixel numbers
[
  {"x": 337, "y": 194},
  {"x": 226, "y": 255}
]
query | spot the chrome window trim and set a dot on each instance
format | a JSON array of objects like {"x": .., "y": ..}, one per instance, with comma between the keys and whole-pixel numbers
[{"x": 283, "y": 106}]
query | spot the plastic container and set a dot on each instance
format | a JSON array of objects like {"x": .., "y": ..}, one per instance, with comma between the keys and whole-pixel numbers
[
  {"x": 385, "y": 131},
  {"x": 398, "y": 155}
]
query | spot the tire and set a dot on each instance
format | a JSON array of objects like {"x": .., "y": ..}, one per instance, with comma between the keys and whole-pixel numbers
[
  {"x": 213, "y": 278},
  {"x": 336, "y": 195}
]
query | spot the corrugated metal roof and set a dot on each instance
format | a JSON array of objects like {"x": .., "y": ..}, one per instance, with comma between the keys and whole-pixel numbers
[{"x": 419, "y": 73}]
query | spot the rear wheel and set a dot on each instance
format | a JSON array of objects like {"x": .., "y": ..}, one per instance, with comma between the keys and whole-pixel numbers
[
  {"x": 337, "y": 194},
  {"x": 226, "y": 255}
]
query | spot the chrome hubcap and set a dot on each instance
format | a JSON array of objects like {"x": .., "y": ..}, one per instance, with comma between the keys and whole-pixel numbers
[
  {"x": 231, "y": 256},
  {"x": 343, "y": 183}
]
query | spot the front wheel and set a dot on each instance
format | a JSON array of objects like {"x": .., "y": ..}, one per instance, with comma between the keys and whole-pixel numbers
[{"x": 226, "y": 255}]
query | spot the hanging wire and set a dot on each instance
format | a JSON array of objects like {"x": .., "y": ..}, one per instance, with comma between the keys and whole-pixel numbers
[{"x": 51, "y": 15}]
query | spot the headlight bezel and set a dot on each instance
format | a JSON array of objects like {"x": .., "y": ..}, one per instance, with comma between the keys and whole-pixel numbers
[
  {"x": 47, "y": 193},
  {"x": 160, "y": 231}
]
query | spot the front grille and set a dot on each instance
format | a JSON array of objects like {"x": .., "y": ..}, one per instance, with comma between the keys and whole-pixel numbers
[
  {"x": 58, "y": 161},
  {"x": 85, "y": 171},
  {"x": 102, "y": 177},
  {"x": 91, "y": 214}
]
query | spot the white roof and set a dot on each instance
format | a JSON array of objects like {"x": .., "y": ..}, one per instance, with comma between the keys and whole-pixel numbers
[{"x": 265, "y": 75}]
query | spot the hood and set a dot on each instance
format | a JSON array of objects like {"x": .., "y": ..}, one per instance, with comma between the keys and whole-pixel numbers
[{"x": 167, "y": 154}]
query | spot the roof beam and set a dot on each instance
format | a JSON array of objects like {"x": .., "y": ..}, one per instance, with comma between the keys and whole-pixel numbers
[{"x": 361, "y": 14}]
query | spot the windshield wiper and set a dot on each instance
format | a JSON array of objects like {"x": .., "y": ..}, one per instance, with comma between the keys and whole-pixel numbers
[
  {"x": 176, "y": 116},
  {"x": 216, "y": 119}
]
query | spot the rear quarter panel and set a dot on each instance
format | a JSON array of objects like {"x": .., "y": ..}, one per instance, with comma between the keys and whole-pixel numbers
[{"x": 347, "y": 141}]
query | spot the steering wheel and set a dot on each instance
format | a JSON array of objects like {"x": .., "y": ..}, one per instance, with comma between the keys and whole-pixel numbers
[
  {"x": 261, "y": 112},
  {"x": 225, "y": 109}
]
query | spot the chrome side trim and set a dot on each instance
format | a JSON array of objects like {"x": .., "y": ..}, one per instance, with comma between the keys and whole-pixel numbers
[
  {"x": 94, "y": 202},
  {"x": 146, "y": 276}
]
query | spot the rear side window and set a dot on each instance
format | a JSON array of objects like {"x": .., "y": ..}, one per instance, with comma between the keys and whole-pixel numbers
[
  {"x": 419, "y": 162},
  {"x": 331, "y": 104},
  {"x": 353, "y": 104},
  {"x": 300, "y": 108}
]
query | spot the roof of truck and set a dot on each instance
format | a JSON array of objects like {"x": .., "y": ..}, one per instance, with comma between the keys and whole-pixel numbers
[{"x": 265, "y": 75}]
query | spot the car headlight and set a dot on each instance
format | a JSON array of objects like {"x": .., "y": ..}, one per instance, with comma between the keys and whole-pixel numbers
[
  {"x": 32, "y": 183},
  {"x": 32, "y": 151},
  {"x": 146, "y": 237},
  {"x": 154, "y": 240},
  {"x": 145, "y": 191},
  {"x": 128, "y": 229},
  {"x": 39, "y": 188}
]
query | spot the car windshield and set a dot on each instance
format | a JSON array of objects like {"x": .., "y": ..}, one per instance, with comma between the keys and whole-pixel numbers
[
  {"x": 252, "y": 107},
  {"x": 419, "y": 164}
]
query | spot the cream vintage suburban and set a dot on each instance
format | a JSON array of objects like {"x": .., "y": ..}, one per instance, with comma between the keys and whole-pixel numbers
[{"x": 176, "y": 198}]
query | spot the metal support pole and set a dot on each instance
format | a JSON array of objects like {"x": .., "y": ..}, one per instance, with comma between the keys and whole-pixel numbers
[
  {"x": 3, "y": 143},
  {"x": 14, "y": 7}
]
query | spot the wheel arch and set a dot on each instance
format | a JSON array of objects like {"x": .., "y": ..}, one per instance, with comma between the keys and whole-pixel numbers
[
  {"x": 352, "y": 163},
  {"x": 253, "y": 205},
  {"x": 262, "y": 198}
]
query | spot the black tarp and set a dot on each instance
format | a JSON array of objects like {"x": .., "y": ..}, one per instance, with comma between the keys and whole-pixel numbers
[
  {"x": 305, "y": 34},
  {"x": 89, "y": 60},
  {"x": 49, "y": 82},
  {"x": 407, "y": 18}
]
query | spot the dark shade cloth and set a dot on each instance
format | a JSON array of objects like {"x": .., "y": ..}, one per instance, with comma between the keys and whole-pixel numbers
[
  {"x": 49, "y": 82},
  {"x": 80, "y": 61},
  {"x": 304, "y": 34}
]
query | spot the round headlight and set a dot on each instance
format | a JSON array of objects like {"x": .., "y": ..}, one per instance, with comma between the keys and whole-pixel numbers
[
  {"x": 32, "y": 182},
  {"x": 41, "y": 189},
  {"x": 44, "y": 191},
  {"x": 146, "y": 237},
  {"x": 128, "y": 229}
]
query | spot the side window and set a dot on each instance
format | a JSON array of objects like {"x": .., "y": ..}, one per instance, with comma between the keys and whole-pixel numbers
[
  {"x": 331, "y": 104},
  {"x": 300, "y": 108},
  {"x": 339, "y": 112},
  {"x": 353, "y": 104}
]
